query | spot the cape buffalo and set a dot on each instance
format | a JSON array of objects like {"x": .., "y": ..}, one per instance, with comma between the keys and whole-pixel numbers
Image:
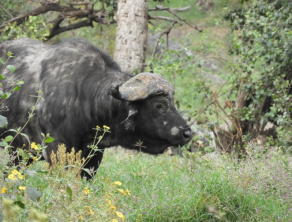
[{"x": 83, "y": 87}]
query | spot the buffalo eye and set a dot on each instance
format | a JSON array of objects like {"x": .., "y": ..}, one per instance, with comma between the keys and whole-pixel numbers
[{"x": 159, "y": 106}]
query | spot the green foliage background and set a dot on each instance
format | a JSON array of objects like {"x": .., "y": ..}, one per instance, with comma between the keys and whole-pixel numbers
[
  {"x": 253, "y": 55},
  {"x": 262, "y": 44}
]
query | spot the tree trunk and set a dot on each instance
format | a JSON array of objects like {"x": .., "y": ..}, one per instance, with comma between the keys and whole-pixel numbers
[{"x": 131, "y": 36}]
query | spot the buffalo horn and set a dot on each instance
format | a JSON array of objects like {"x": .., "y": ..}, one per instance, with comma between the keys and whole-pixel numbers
[{"x": 141, "y": 87}]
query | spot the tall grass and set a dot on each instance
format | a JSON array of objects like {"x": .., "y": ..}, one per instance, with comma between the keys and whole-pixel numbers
[{"x": 162, "y": 188}]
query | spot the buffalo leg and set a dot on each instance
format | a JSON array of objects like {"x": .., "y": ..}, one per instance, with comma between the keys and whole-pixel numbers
[{"x": 92, "y": 165}]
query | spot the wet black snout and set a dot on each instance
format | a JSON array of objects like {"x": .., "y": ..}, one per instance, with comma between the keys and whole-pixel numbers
[{"x": 187, "y": 134}]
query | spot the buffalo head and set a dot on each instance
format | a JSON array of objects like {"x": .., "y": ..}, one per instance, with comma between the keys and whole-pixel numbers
[{"x": 152, "y": 115}]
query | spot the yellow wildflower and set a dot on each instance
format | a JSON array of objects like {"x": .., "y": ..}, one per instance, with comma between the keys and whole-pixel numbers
[
  {"x": 35, "y": 158},
  {"x": 118, "y": 183},
  {"x": 4, "y": 190},
  {"x": 97, "y": 127},
  {"x": 106, "y": 127},
  {"x": 122, "y": 192},
  {"x": 34, "y": 146},
  {"x": 22, "y": 188},
  {"x": 114, "y": 220},
  {"x": 12, "y": 177},
  {"x": 109, "y": 201},
  {"x": 80, "y": 217},
  {"x": 120, "y": 215},
  {"x": 113, "y": 208},
  {"x": 14, "y": 172},
  {"x": 90, "y": 211},
  {"x": 128, "y": 192},
  {"x": 86, "y": 191},
  {"x": 20, "y": 176}
]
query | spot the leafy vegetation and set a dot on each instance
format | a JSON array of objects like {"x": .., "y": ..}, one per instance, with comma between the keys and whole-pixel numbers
[
  {"x": 34, "y": 28},
  {"x": 157, "y": 188},
  {"x": 15, "y": 86},
  {"x": 263, "y": 48},
  {"x": 254, "y": 61}
]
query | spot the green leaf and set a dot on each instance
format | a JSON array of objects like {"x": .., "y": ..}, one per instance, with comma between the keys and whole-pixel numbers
[
  {"x": 20, "y": 82},
  {"x": 16, "y": 88},
  {"x": 11, "y": 68},
  {"x": 49, "y": 140},
  {"x": 24, "y": 135},
  {"x": 33, "y": 193},
  {"x": 3, "y": 122},
  {"x": 42, "y": 171},
  {"x": 6, "y": 95},
  {"x": 9, "y": 54},
  {"x": 8, "y": 138},
  {"x": 1, "y": 61},
  {"x": 47, "y": 32},
  {"x": 20, "y": 204},
  {"x": 69, "y": 192},
  {"x": 12, "y": 130}
]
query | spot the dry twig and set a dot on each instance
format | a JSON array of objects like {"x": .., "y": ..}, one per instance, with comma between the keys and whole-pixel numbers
[
  {"x": 172, "y": 11},
  {"x": 161, "y": 34}
]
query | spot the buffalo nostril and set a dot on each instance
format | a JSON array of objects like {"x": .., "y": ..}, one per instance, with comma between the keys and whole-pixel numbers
[{"x": 187, "y": 134}]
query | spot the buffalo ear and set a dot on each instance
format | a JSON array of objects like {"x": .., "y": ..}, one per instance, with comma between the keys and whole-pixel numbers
[
  {"x": 115, "y": 91},
  {"x": 141, "y": 87},
  {"x": 128, "y": 122}
]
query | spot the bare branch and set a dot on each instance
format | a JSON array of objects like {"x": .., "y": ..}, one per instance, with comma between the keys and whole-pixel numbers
[
  {"x": 172, "y": 11},
  {"x": 58, "y": 30},
  {"x": 55, "y": 25},
  {"x": 161, "y": 34},
  {"x": 185, "y": 21},
  {"x": 163, "y": 18},
  {"x": 161, "y": 8},
  {"x": 241, "y": 97},
  {"x": 79, "y": 3},
  {"x": 78, "y": 14},
  {"x": 92, "y": 5}
]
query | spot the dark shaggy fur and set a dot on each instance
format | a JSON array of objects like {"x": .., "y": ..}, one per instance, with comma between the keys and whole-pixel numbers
[{"x": 75, "y": 78}]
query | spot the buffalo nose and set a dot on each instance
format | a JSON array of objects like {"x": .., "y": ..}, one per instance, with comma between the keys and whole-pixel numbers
[{"x": 187, "y": 134}]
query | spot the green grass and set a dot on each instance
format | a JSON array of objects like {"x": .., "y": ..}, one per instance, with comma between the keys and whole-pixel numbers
[
  {"x": 195, "y": 187},
  {"x": 182, "y": 189},
  {"x": 163, "y": 188}
]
